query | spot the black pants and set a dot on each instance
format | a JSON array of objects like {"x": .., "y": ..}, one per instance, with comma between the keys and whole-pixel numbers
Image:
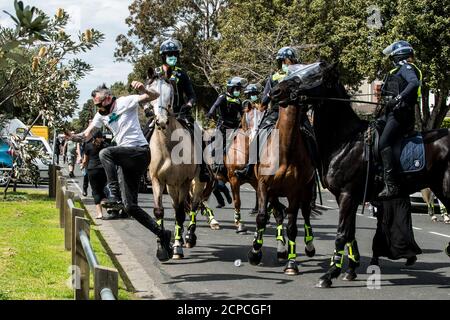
[
  {"x": 132, "y": 163},
  {"x": 86, "y": 181},
  {"x": 218, "y": 188},
  {"x": 97, "y": 178},
  {"x": 392, "y": 132}
]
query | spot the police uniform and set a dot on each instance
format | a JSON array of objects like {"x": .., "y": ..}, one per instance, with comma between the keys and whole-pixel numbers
[{"x": 230, "y": 112}]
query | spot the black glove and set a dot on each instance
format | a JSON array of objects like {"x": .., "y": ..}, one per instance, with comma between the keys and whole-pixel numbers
[{"x": 394, "y": 103}]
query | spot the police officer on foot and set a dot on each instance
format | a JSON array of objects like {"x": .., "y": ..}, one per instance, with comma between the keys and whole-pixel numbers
[
  {"x": 402, "y": 85},
  {"x": 129, "y": 158}
]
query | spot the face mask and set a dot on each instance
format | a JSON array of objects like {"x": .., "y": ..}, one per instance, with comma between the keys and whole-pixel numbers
[
  {"x": 236, "y": 93},
  {"x": 285, "y": 68},
  {"x": 171, "y": 61},
  {"x": 253, "y": 98}
]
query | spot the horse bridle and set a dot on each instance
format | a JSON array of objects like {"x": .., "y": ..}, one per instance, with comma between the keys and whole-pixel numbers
[{"x": 160, "y": 106}]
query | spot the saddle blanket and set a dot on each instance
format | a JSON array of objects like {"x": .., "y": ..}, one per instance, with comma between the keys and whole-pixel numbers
[{"x": 412, "y": 154}]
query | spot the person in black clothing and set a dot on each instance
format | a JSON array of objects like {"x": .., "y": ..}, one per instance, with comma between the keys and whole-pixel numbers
[
  {"x": 220, "y": 188},
  {"x": 184, "y": 95},
  {"x": 95, "y": 170},
  {"x": 402, "y": 90},
  {"x": 84, "y": 170},
  {"x": 229, "y": 107}
]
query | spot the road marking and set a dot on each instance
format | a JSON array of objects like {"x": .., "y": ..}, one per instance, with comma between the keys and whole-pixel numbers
[
  {"x": 415, "y": 228},
  {"x": 73, "y": 181},
  {"x": 440, "y": 234}
]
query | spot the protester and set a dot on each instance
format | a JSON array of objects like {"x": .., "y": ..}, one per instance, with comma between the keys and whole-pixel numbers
[{"x": 70, "y": 153}]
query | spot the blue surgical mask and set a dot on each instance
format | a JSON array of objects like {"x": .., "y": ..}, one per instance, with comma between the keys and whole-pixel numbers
[
  {"x": 253, "y": 98},
  {"x": 236, "y": 93},
  {"x": 285, "y": 68},
  {"x": 171, "y": 61}
]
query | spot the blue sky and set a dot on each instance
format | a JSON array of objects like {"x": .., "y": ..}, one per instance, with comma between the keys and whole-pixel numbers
[{"x": 107, "y": 16}]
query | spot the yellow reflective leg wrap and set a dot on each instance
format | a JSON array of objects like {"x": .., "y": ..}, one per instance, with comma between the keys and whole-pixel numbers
[
  {"x": 280, "y": 234},
  {"x": 160, "y": 222},
  {"x": 292, "y": 254},
  {"x": 353, "y": 253},
  {"x": 259, "y": 236},
  {"x": 337, "y": 258},
  {"x": 193, "y": 218},
  {"x": 177, "y": 232},
  {"x": 308, "y": 234}
]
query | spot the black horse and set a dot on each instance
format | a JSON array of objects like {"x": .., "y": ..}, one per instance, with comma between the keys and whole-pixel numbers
[{"x": 340, "y": 138}]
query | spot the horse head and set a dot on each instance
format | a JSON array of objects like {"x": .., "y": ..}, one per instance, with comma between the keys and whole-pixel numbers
[{"x": 162, "y": 105}]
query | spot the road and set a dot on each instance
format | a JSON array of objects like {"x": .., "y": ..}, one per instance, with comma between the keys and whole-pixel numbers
[{"x": 208, "y": 271}]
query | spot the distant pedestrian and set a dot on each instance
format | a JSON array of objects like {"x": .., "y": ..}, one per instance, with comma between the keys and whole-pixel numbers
[
  {"x": 70, "y": 152},
  {"x": 219, "y": 188}
]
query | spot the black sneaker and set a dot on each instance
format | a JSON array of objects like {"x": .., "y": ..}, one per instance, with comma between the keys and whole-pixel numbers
[
  {"x": 113, "y": 203},
  {"x": 111, "y": 215},
  {"x": 84, "y": 193},
  {"x": 165, "y": 249}
]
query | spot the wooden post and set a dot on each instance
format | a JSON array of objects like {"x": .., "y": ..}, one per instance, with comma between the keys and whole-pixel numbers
[
  {"x": 52, "y": 169},
  {"x": 81, "y": 263},
  {"x": 105, "y": 278},
  {"x": 75, "y": 212},
  {"x": 62, "y": 213},
  {"x": 58, "y": 189}
]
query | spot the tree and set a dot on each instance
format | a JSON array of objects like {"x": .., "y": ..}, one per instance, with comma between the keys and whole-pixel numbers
[{"x": 193, "y": 22}]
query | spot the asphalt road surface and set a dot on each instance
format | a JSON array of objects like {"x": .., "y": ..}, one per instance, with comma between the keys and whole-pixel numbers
[{"x": 211, "y": 270}]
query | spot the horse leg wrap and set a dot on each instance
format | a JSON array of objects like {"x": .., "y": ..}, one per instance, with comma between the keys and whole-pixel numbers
[
  {"x": 353, "y": 254},
  {"x": 309, "y": 235},
  {"x": 178, "y": 232},
  {"x": 292, "y": 252},
  {"x": 193, "y": 221},
  {"x": 337, "y": 259},
  {"x": 160, "y": 223},
  {"x": 237, "y": 217},
  {"x": 209, "y": 213},
  {"x": 258, "y": 241},
  {"x": 280, "y": 236}
]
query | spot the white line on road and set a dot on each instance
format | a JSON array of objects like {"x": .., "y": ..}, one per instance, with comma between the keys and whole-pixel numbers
[
  {"x": 440, "y": 234},
  {"x": 74, "y": 182},
  {"x": 415, "y": 228}
]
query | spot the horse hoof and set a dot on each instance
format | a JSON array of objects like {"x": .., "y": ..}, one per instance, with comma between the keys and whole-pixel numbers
[
  {"x": 191, "y": 240},
  {"x": 282, "y": 256},
  {"x": 349, "y": 276},
  {"x": 162, "y": 255},
  {"x": 311, "y": 253},
  {"x": 241, "y": 229},
  {"x": 434, "y": 218},
  {"x": 291, "y": 268},
  {"x": 324, "y": 283},
  {"x": 254, "y": 258},
  {"x": 214, "y": 224},
  {"x": 178, "y": 253},
  {"x": 447, "y": 250}
]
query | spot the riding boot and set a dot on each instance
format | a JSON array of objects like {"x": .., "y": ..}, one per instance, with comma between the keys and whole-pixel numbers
[
  {"x": 390, "y": 183},
  {"x": 245, "y": 173}
]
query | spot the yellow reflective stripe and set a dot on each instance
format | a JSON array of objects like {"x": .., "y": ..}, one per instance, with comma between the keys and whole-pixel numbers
[
  {"x": 419, "y": 90},
  {"x": 292, "y": 254},
  {"x": 232, "y": 100},
  {"x": 280, "y": 233},
  {"x": 193, "y": 220},
  {"x": 259, "y": 237},
  {"x": 177, "y": 232},
  {"x": 308, "y": 236},
  {"x": 159, "y": 222},
  {"x": 278, "y": 76}
]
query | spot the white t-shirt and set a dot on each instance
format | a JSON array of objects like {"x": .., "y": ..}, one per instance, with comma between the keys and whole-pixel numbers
[{"x": 126, "y": 129}]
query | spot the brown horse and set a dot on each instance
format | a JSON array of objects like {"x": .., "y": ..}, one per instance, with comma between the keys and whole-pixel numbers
[
  {"x": 285, "y": 169},
  {"x": 340, "y": 138}
]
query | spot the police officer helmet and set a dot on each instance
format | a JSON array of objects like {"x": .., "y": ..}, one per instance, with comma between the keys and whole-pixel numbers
[
  {"x": 236, "y": 82},
  {"x": 170, "y": 46},
  {"x": 287, "y": 52},
  {"x": 399, "y": 50},
  {"x": 252, "y": 89}
]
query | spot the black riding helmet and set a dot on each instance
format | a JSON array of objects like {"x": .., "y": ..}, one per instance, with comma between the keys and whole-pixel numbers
[
  {"x": 252, "y": 90},
  {"x": 170, "y": 47},
  {"x": 236, "y": 83},
  {"x": 286, "y": 52},
  {"x": 399, "y": 51}
]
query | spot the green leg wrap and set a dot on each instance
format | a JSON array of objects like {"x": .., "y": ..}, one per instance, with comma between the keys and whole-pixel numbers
[
  {"x": 353, "y": 252},
  {"x": 337, "y": 259},
  {"x": 309, "y": 235},
  {"x": 258, "y": 241},
  {"x": 292, "y": 252},
  {"x": 193, "y": 216},
  {"x": 178, "y": 232},
  {"x": 160, "y": 223},
  {"x": 280, "y": 236}
]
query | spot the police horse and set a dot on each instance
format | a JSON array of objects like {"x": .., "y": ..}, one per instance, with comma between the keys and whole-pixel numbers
[{"x": 341, "y": 138}]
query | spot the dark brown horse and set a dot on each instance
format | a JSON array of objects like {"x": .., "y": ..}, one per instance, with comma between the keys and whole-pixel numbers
[
  {"x": 285, "y": 169},
  {"x": 340, "y": 138}
]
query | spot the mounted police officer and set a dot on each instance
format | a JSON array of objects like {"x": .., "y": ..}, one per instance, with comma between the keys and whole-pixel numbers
[
  {"x": 184, "y": 95},
  {"x": 401, "y": 89},
  {"x": 229, "y": 105},
  {"x": 285, "y": 57}
]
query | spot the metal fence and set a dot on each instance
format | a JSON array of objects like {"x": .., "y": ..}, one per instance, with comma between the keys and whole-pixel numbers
[{"x": 77, "y": 240}]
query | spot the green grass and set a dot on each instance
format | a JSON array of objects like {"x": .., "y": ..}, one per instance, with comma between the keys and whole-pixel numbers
[{"x": 33, "y": 262}]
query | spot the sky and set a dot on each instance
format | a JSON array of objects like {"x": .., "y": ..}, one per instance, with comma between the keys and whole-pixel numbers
[{"x": 107, "y": 16}]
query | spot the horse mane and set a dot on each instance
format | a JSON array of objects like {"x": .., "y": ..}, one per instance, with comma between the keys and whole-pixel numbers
[{"x": 335, "y": 122}]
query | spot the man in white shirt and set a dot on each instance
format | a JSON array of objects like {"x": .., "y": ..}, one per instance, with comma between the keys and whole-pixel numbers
[{"x": 130, "y": 157}]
